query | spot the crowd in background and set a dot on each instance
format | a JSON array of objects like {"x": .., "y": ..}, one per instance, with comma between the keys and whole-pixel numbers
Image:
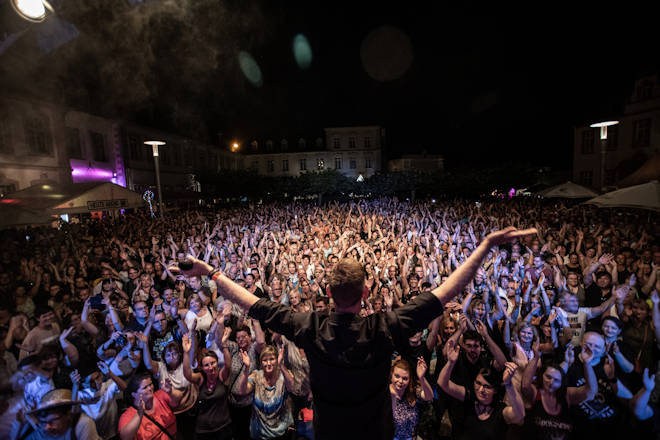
[{"x": 556, "y": 337}]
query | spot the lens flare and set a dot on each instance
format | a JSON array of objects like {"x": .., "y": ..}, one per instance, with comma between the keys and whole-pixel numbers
[
  {"x": 302, "y": 51},
  {"x": 250, "y": 69}
]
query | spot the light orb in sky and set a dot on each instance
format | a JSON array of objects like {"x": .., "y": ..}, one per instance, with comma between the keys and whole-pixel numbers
[
  {"x": 386, "y": 53},
  {"x": 302, "y": 51},
  {"x": 250, "y": 69}
]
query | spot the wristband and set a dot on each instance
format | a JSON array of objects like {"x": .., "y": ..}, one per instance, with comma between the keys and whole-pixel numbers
[{"x": 213, "y": 273}]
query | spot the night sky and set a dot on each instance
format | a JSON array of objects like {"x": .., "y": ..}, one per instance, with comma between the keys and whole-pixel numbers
[{"x": 479, "y": 80}]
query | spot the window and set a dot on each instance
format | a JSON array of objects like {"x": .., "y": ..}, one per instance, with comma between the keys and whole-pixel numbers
[
  {"x": 271, "y": 166},
  {"x": 176, "y": 153},
  {"x": 644, "y": 91},
  {"x": 367, "y": 162},
  {"x": 302, "y": 144},
  {"x": 165, "y": 154},
  {"x": 74, "y": 148},
  {"x": 320, "y": 164},
  {"x": 5, "y": 134},
  {"x": 98, "y": 146},
  {"x": 134, "y": 147},
  {"x": 338, "y": 163},
  {"x": 587, "y": 141},
  {"x": 352, "y": 164},
  {"x": 202, "y": 159},
  {"x": 188, "y": 156},
  {"x": 610, "y": 177},
  {"x": 7, "y": 189},
  {"x": 612, "y": 138},
  {"x": 303, "y": 164},
  {"x": 367, "y": 142},
  {"x": 285, "y": 165},
  {"x": 37, "y": 135},
  {"x": 336, "y": 142},
  {"x": 319, "y": 143},
  {"x": 284, "y": 145},
  {"x": 641, "y": 132},
  {"x": 351, "y": 142},
  {"x": 269, "y": 146},
  {"x": 586, "y": 177},
  {"x": 255, "y": 164},
  {"x": 213, "y": 161}
]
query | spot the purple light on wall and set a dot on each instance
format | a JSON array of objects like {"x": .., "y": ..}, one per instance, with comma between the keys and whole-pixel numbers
[{"x": 81, "y": 174}]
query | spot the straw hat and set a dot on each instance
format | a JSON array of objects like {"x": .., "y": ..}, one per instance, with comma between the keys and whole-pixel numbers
[{"x": 54, "y": 399}]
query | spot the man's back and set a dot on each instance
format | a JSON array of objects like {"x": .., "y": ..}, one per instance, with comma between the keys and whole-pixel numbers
[{"x": 350, "y": 360}]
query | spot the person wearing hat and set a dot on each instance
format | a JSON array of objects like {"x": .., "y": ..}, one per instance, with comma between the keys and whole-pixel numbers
[{"x": 56, "y": 417}]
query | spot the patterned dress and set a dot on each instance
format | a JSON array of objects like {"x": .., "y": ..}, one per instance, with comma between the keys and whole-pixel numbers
[
  {"x": 406, "y": 417},
  {"x": 271, "y": 409}
]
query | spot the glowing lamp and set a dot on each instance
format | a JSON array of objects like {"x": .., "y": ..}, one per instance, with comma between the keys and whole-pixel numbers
[
  {"x": 31, "y": 10},
  {"x": 603, "y": 127},
  {"x": 154, "y": 146}
]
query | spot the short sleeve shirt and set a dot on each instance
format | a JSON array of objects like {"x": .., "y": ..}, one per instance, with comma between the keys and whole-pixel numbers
[{"x": 162, "y": 413}]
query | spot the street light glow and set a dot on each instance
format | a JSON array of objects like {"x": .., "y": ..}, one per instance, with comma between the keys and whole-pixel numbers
[
  {"x": 603, "y": 124},
  {"x": 235, "y": 146},
  {"x": 154, "y": 146},
  {"x": 603, "y": 127},
  {"x": 31, "y": 10}
]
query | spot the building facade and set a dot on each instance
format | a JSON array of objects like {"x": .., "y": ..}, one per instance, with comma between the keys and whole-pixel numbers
[
  {"x": 32, "y": 140},
  {"x": 628, "y": 145},
  {"x": 352, "y": 151},
  {"x": 417, "y": 162},
  {"x": 44, "y": 142},
  {"x": 181, "y": 160}
]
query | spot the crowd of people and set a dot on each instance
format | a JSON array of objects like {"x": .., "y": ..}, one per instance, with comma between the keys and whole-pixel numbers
[{"x": 106, "y": 333}]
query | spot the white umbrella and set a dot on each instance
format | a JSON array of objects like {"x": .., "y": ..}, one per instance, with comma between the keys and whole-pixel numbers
[
  {"x": 646, "y": 196},
  {"x": 568, "y": 190}
]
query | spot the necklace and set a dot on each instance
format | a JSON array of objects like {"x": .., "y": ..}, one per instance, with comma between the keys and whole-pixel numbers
[{"x": 482, "y": 409}]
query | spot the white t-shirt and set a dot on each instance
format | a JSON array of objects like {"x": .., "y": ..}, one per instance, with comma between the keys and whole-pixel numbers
[
  {"x": 102, "y": 407},
  {"x": 203, "y": 322},
  {"x": 577, "y": 322}
]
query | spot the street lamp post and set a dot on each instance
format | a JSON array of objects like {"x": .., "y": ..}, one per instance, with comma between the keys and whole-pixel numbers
[
  {"x": 603, "y": 147},
  {"x": 154, "y": 147}
]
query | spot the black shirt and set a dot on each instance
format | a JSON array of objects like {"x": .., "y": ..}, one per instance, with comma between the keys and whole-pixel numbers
[{"x": 350, "y": 360}]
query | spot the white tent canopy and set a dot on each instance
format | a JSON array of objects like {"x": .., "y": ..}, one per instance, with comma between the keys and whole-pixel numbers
[
  {"x": 646, "y": 196},
  {"x": 37, "y": 203},
  {"x": 568, "y": 190}
]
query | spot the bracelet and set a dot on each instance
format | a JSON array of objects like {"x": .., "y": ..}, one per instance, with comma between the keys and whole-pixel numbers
[{"x": 213, "y": 273}]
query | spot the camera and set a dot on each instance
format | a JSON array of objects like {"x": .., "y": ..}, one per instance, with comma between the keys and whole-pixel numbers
[
  {"x": 121, "y": 340},
  {"x": 96, "y": 302}
]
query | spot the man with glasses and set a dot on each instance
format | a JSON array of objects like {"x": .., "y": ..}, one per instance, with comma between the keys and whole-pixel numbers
[
  {"x": 160, "y": 333},
  {"x": 139, "y": 319}
]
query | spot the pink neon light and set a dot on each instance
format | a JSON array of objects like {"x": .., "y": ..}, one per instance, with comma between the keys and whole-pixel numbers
[{"x": 96, "y": 173}]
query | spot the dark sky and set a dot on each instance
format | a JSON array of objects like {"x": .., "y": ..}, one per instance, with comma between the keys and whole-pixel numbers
[{"x": 483, "y": 81}]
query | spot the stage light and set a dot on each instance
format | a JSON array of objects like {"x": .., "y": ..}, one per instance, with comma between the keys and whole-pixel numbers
[{"x": 31, "y": 10}]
